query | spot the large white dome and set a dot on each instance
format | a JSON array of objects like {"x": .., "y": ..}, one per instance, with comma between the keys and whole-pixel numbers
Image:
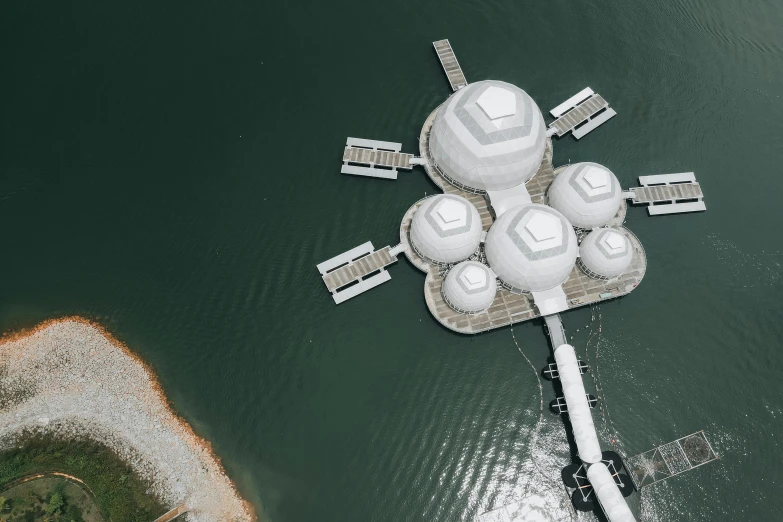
[
  {"x": 446, "y": 229},
  {"x": 469, "y": 287},
  {"x": 531, "y": 248},
  {"x": 489, "y": 135},
  {"x": 588, "y": 194},
  {"x": 605, "y": 253}
]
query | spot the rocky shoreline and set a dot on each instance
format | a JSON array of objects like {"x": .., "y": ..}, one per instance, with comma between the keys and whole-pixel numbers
[{"x": 71, "y": 378}]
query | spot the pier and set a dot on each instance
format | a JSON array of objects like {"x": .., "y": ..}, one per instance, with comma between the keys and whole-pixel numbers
[
  {"x": 448, "y": 60},
  {"x": 356, "y": 271},
  {"x": 580, "y": 115},
  {"x": 668, "y": 194},
  {"x": 671, "y": 459},
  {"x": 374, "y": 159},
  {"x": 509, "y": 307}
]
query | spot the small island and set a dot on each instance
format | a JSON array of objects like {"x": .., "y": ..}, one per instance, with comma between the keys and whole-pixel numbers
[{"x": 76, "y": 403}]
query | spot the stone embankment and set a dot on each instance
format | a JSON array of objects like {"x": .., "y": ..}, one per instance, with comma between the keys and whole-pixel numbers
[{"x": 72, "y": 379}]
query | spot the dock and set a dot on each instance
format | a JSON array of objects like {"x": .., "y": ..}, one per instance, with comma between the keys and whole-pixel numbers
[
  {"x": 509, "y": 307},
  {"x": 580, "y": 114},
  {"x": 356, "y": 271},
  {"x": 668, "y": 194},
  {"x": 671, "y": 459},
  {"x": 374, "y": 159},
  {"x": 448, "y": 60}
]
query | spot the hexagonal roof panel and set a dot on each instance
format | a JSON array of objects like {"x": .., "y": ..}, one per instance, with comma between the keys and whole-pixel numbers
[
  {"x": 614, "y": 241},
  {"x": 497, "y": 102},
  {"x": 597, "y": 178},
  {"x": 542, "y": 226},
  {"x": 449, "y": 214},
  {"x": 474, "y": 277}
]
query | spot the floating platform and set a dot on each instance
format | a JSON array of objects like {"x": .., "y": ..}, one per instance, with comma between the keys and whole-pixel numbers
[
  {"x": 580, "y": 114},
  {"x": 448, "y": 60},
  {"x": 668, "y": 194},
  {"x": 509, "y": 307},
  {"x": 356, "y": 271},
  {"x": 374, "y": 159},
  {"x": 669, "y": 460}
]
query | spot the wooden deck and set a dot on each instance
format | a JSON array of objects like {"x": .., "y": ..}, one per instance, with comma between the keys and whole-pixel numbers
[
  {"x": 660, "y": 193},
  {"x": 578, "y": 114},
  {"x": 383, "y": 158},
  {"x": 451, "y": 67},
  {"x": 358, "y": 269},
  {"x": 510, "y": 308}
]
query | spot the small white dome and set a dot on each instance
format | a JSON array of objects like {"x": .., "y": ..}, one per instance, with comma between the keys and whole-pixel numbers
[
  {"x": 446, "y": 229},
  {"x": 587, "y": 194},
  {"x": 531, "y": 248},
  {"x": 469, "y": 287},
  {"x": 605, "y": 253},
  {"x": 489, "y": 135}
]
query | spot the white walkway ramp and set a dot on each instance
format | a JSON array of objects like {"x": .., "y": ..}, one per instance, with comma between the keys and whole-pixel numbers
[
  {"x": 356, "y": 271},
  {"x": 375, "y": 159},
  {"x": 580, "y": 114}
]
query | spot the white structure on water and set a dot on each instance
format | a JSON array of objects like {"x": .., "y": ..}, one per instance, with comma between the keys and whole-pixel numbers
[
  {"x": 446, "y": 229},
  {"x": 469, "y": 287},
  {"x": 605, "y": 253},
  {"x": 489, "y": 135},
  {"x": 588, "y": 194},
  {"x": 531, "y": 248}
]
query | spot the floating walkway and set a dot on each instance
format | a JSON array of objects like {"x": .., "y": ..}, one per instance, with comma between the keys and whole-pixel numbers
[
  {"x": 669, "y": 460},
  {"x": 357, "y": 270},
  {"x": 668, "y": 194},
  {"x": 375, "y": 159},
  {"x": 580, "y": 114},
  {"x": 448, "y": 61}
]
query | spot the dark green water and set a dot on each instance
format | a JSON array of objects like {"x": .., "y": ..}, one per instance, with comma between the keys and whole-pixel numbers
[{"x": 172, "y": 170}]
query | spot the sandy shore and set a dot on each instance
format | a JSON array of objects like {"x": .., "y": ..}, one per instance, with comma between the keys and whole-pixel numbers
[{"x": 71, "y": 378}]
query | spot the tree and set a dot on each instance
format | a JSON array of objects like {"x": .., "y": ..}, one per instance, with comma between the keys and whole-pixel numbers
[
  {"x": 56, "y": 503},
  {"x": 3, "y": 503}
]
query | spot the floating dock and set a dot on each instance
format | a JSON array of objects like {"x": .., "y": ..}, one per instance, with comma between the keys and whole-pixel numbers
[
  {"x": 509, "y": 307},
  {"x": 580, "y": 114},
  {"x": 356, "y": 271},
  {"x": 671, "y": 459},
  {"x": 448, "y": 60},
  {"x": 668, "y": 194},
  {"x": 374, "y": 159}
]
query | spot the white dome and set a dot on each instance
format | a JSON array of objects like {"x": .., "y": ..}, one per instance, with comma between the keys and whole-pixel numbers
[
  {"x": 489, "y": 135},
  {"x": 587, "y": 194},
  {"x": 469, "y": 287},
  {"x": 532, "y": 248},
  {"x": 605, "y": 253},
  {"x": 446, "y": 229}
]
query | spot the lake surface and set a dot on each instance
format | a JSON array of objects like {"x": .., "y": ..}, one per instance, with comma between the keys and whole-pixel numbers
[{"x": 172, "y": 171}]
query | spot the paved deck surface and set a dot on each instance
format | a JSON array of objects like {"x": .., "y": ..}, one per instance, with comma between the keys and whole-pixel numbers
[
  {"x": 509, "y": 308},
  {"x": 450, "y": 64},
  {"x": 658, "y": 193},
  {"x": 358, "y": 269},
  {"x": 577, "y": 115},
  {"x": 383, "y": 158}
]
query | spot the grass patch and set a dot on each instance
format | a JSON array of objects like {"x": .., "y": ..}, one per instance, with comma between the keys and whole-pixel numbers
[{"x": 120, "y": 494}]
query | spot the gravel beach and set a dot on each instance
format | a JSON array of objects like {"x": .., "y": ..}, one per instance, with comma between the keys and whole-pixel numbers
[{"x": 71, "y": 378}]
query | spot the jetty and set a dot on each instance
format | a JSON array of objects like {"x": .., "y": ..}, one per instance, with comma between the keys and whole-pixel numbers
[
  {"x": 580, "y": 114},
  {"x": 374, "y": 159},
  {"x": 448, "y": 60},
  {"x": 668, "y": 194}
]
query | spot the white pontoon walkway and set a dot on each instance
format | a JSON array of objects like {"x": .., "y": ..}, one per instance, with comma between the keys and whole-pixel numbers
[
  {"x": 680, "y": 191},
  {"x": 375, "y": 159},
  {"x": 450, "y": 64},
  {"x": 345, "y": 276},
  {"x": 580, "y": 112}
]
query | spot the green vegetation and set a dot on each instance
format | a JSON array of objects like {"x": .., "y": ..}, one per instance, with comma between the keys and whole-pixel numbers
[
  {"x": 120, "y": 494},
  {"x": 50, "y": 500}
]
